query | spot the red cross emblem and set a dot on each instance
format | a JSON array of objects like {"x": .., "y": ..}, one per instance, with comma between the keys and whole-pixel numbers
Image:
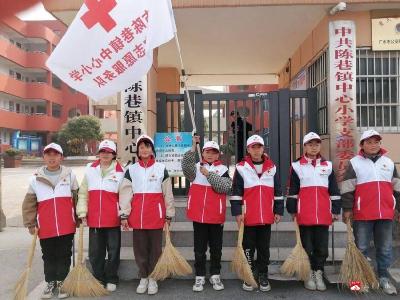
[{"x": 99, "y": 13}]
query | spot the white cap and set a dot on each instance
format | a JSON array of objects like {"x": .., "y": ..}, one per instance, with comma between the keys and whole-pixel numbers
[
  {"x": 311, "y": 136},
  {"x": 255, "y": 139},
  {"x": 53, "y": 146},
  {"x": 108, "y": 145},
  {"x": 370, "y": 133},
  {"x": 144, "y": 137},
  {"x": 210, "y": 145}
]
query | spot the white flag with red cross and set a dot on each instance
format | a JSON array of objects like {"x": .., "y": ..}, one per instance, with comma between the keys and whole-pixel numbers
[{"x": 110, "y": 44}]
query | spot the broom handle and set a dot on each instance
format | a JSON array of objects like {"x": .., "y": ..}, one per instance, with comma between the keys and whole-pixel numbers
[
  {"x": 350, "y": 235},
  {"x": 296, "y": 227},
  {"x": 167, "y": 234},
  {"x": 32, "y": 249},
  {"x": 80, "y": 249}
]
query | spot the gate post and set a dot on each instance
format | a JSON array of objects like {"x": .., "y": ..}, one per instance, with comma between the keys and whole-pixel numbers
[
  {"x": 312, "y": 110},
  {"x": 284, "y": 135},
  {"x": 161, "y": 99},
  {"x": 273, "y": 115}
]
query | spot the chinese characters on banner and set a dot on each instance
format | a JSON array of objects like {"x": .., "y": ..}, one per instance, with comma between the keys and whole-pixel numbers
[
  {"x": 170, "y": 148},
  {"x": 342, "y": 92},
  {"x": 110, "y": 44},
  {"x": 133, "y": 118}
]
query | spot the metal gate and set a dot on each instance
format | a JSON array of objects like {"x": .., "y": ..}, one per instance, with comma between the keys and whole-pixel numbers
[{"x": 280, "y": 117}]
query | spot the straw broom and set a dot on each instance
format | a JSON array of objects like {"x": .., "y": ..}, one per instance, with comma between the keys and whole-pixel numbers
[
  {"x": 171, "y": 262},
  {"x": 355, "y": 267},
  {"x": 22, "y": 284},
  {"x": 298, "y": 261},
  {"x": 80, "y": 282},
  {"x": 239, "y": 263}
]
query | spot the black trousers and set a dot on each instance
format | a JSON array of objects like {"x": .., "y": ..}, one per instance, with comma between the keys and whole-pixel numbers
[
  {"x": 207, "y": 235},
  {"x": 315, "y": 242},
  {"x": 57, "y": 252},
  {"x": 102, "y": 242},
  {"x": 257, "y": 238}
]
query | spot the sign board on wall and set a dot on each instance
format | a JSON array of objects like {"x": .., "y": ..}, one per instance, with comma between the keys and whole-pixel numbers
[
  {"x": 133, "y": 118},
  {"x": 385, "y": 34},
  {"x": 170, "y": 148},
  {"x": 342, "y": 93}
]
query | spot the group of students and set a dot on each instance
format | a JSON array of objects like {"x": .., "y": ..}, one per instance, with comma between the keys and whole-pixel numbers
[{"x": 140, "y": 198}]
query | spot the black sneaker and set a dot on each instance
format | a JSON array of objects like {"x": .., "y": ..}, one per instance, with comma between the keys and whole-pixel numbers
[
  {"x": 264, "y": 283},
  {"x": 48, "y": 291}
]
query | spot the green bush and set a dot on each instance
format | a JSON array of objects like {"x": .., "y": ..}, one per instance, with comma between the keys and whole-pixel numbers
[{"x": 12, "y": 152}]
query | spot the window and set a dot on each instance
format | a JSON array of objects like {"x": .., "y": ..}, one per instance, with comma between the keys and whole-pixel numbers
[
  {"x": 318, "y": 78},
  {"x": 56, "y": 110},
  {"x": 378, "y": 97}
]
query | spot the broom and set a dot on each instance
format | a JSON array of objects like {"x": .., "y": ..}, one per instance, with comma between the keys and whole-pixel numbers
[
  {"x": 80, "y": 282},
  {"x": 355, "y": 267},
  {"x": 22, "y": 284},
  {"x": 171, "y": 262},
  {"x": 298, "y": 261},
  {"x": 239, "y": 263}
]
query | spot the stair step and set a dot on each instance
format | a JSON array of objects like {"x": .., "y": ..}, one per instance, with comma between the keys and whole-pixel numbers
[
  {"x": 282, "y": 235},
  {"x": 128, "y": 269}
]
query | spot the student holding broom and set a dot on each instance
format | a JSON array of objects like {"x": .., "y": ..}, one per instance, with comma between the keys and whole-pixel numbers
[
  {"x": 371, "y": 192},
  {"x": 206, "y": 208},
  {"x": 314, "y": 200},
  {"x": 256, "y": 187},
  {"x": 146, "y": 203},
  {"x": 98, "y": 208},
  {"x": 49, "y": 206}
]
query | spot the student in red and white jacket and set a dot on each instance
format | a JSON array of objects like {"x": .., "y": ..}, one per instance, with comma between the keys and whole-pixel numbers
[
  {"x": 256, "y": 186},
  {"x": 314, "y": 199},
  {"x": 206, "y": 207},
  {"x": 49, "y": 207},
  {"x": 98, "y": 208},
  {"x": 146, "y": 202},
  {"x": 371, "y": 193}
]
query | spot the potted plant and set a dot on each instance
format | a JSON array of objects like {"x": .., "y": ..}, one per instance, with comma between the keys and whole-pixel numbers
[{"x": 12, "y": 158}]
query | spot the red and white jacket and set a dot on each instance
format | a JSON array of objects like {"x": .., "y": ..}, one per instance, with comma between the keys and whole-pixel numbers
[
  {"x": 313, "y": 193},
  {"x": 205, "y": 205},
  {"x": 261, "y": 196},
  {"x": 370, "y": 186},
  {"x": 55, "y": 214},
  {"x": 102, "y": 207},
  {"x": 152, "y": 199}
]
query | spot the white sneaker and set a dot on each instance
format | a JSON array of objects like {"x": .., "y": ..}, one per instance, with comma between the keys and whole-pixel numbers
[
  {"x": 386, "y": 286},
  {"x": 153, "y": 287},
  {"x": 61, "y": 294},
  {"x": 111, "y": 287},
  {"x": 142, "y": 287},
  {"x": 215, "y": 280},
  {"x": 310, "y": 284},
  {"x": 199, "y": 282},
  {"x": 48, "y": 290},
  {"x": 247, "y": 287},
  {"x": 319, "y": 281}
]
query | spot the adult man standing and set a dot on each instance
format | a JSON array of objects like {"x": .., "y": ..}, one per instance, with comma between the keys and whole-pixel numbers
[{"x": 240, "y": 128}]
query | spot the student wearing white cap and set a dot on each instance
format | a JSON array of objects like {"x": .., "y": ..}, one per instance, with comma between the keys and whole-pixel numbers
[
  {"x": 314, "y": 199},
  {"x": 371, "y": 192},
  {"x": 49, "y": 207},
  {"x": 98, "y": 208},
  {"x": 210, "y": 184},
  {"x": 146, "y": 203},
  {"x": 256, "y": 187}
]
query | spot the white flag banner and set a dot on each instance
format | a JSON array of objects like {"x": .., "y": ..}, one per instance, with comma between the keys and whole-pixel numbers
[{"x": 110, "y": 44}]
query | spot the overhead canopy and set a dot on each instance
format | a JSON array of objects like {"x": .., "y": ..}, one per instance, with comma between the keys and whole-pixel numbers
[{"x": 236, "y": 43}]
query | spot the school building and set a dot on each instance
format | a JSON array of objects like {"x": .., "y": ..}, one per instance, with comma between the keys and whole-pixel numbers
[{"x": 34, "y": 103}]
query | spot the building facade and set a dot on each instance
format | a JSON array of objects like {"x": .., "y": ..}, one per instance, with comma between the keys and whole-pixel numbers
[{"x": 34, "y": 103}]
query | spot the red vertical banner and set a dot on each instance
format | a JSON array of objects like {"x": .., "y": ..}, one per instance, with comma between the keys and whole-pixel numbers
[{"x": 342, "y": 93}]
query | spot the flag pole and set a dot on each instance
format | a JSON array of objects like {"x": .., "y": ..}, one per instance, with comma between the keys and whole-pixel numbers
[{"x": 184, "y": 79}]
